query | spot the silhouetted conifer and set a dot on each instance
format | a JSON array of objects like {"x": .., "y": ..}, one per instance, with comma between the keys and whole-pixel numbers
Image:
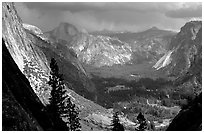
[
  {"x": 116, "y": 123},
  {"x": 60, "y": 103},
  {"x": 142, "y": 122},
  {"x": 72, "y": 115}
]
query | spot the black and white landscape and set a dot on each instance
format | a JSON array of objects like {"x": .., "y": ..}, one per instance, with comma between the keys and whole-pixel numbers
[{"x": 102, "y": 66}]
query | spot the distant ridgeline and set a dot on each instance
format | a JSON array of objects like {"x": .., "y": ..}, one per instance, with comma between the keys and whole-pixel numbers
[{"x": 26, "y": 55}]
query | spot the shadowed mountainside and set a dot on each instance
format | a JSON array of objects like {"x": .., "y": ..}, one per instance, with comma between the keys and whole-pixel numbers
[
  {"x": 189, "y": 118},
  {"x": 32, "y": 55},
  {"x": 22, "y": 109}
]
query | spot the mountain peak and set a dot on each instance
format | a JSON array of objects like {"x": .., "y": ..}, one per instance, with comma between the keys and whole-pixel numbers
[
  {"x": 64, "y": 31},
  {"x": 196, "y": 25},
  {"x": 66, "y": 25},
  {"x": 154, "y": 28}
]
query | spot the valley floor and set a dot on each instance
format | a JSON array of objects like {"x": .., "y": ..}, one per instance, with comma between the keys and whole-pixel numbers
[{"x": 128, "y": 71}]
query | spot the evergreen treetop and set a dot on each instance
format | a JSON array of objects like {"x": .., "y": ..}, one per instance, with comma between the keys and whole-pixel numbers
[
  {"x": 142, "y": 122},
  {"x": 116, "y": 123},
  {"x": 60, "y": 103}
]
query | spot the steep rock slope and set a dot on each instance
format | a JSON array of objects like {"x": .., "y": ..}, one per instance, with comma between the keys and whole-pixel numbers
[
  {"x": 148, "y": 45},
  {"x": 27, "y": 51},
  {"x": 22, "y": 109},
  {"x": 95, "y": 50},
  {"x": 32, "y": 54},
  {"x": 192, "y": 74},
  {"x": 185, "y": 65},
  {"x": 183, "y": 48},
  {"x": 185, "y": 61},
  {"x": 189, "y": 118},
  {"x": 189, "y": 48},
  {"x": 102, "y": 51},
  {"x": 23, "y": 50},
  {"x": 74, "y": 73}
]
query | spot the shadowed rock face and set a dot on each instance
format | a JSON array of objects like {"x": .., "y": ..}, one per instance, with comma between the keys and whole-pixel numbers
[
  {"x": 21, "y": 108},
  {"x": 185, "y": 48},
  {"x": 32, "y": 55},
  {"x": 187, "y": 67},
  {"x": 24, "y": 51},
  {"x": 184, "y": 63},
  {"x": 190, "y": 118}
]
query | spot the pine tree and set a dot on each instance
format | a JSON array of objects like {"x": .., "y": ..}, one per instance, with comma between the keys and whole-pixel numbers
[
  {"x": 60, "y": 104},
  {"x": 142, "y": 122},
  {"x": 55, "y": 107},
  {"x": 116, "y": 123},
  {"x": 72, "y": 116}
]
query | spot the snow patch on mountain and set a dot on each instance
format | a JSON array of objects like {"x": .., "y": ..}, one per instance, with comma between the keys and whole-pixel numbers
[
  {"x": 32, "y": 28},
  {"x": 36, "y": 31},
  {"x": 164, "y": 61}
]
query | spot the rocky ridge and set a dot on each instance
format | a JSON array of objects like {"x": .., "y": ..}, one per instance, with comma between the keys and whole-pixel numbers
[
  {"x": 111, "y": 48},
  {"x": 21, "y": 46},
  {"x": 95, "y": 50},
  {"x": 183, "y": 49},
  {"x": 27, "y": 51}
]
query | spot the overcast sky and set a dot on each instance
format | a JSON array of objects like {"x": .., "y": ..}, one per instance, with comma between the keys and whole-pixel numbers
[{"x": 119, "y": 16}]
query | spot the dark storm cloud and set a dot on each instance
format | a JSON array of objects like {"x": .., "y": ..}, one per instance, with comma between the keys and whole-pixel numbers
[
  {"x": 61, "y": 6},
  {"x": 185, "y": 12},
  {"x": 118, "y": 16},
  {"x": 99, "y": 6}
]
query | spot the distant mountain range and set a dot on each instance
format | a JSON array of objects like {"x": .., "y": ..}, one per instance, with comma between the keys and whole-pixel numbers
[
  {"x": 171, "y": 53},
  {"x": 132, "y": 36},
  {"x": 94, "y": 50},
  {"x": 107, "y": 48},
  {"x": 27, "y": 52}
]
